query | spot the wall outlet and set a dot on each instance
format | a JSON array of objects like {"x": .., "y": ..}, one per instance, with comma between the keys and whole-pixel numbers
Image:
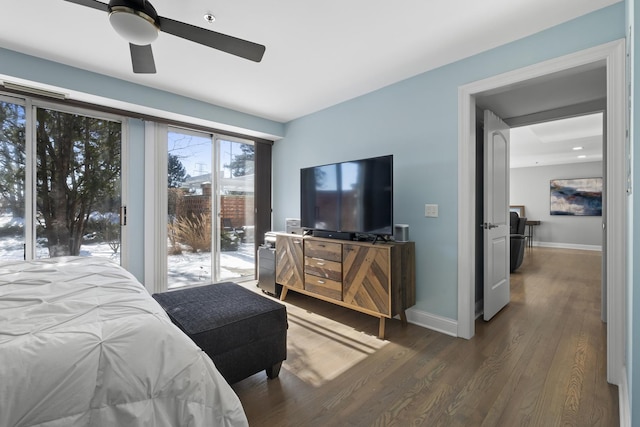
[{"x": 431, "y": 211}]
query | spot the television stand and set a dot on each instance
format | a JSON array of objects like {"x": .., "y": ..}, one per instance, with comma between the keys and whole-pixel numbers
[{"x": 378, "y": 280}]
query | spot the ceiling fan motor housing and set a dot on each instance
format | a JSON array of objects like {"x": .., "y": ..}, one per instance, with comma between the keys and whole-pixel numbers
[{"x": 135, "y": 21}]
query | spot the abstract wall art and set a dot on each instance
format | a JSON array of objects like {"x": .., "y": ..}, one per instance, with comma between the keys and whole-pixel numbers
[{"x": 576, "y": 197}]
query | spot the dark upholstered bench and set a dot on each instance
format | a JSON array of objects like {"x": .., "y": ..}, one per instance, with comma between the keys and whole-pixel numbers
[{"x": 242, "y": 331}]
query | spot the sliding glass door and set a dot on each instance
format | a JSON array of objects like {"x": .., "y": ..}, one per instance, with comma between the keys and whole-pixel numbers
[
  {"x": 67, "y": 199},
  {"x": 78, "y": 161},
  {"x": 189, "y": 203},
  {"x": 12, "y": 180},
  {"x": 235, "y": 199},
  {"x": 209, "y": 209}
]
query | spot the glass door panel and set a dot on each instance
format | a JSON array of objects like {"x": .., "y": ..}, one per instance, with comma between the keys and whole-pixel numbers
[
  {"x": 78, "y": 185},
  {"x": 189, "y": 200},
  {"x": 12, "y": 181},
  {"x": 236, "y": 209}
]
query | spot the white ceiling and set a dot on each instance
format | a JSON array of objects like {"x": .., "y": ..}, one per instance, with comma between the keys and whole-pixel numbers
[
  {"x": 572, "y": 140},
  {"x": 317, "y": 53},
  {"x": 559, "y": 111}
]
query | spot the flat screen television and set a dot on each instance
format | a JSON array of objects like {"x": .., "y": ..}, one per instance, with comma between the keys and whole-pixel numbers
[{"x": 354, "y": 197}]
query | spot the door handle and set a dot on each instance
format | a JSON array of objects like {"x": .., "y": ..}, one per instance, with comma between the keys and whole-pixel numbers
[{"x": 489, "y": 226}]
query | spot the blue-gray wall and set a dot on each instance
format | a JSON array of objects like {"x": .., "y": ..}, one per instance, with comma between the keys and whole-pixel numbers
[{"x": 416, "y": 120}]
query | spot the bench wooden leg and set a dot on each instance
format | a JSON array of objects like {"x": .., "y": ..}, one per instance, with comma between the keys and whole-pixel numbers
[{"x": 273, "y": 371}]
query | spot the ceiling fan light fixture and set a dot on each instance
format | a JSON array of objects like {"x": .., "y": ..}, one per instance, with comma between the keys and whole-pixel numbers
[
  {"x": 133, "y": 25},
  {"x": 138, "y": 22}
]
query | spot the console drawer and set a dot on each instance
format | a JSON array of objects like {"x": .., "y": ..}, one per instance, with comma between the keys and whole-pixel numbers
[
  {"x": 324, "y": 250},
  {"x": 322, "y": 286},
  {"x": 323, "y": 268}
]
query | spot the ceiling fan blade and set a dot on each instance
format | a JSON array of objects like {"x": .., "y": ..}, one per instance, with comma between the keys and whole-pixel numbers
[
  {"x": 92, "y": 4},
  {"x": 142, "y": 59},
  {"x": 229, "y": 44}
]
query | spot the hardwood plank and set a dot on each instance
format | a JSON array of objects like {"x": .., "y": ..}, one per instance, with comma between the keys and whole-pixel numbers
[{"x": 540, "y": 362}]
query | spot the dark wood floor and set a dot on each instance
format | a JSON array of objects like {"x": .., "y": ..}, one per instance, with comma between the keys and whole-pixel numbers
[{"x": 539, "y": 362}]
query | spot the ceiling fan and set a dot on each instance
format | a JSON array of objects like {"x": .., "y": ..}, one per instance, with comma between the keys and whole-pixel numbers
[{"x": 138, "y": 22}]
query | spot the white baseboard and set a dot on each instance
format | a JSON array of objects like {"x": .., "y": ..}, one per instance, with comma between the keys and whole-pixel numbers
[
  {"x": 431, "y": 321},
  {"x": 623, "y": 399},
  {"x": 568, "y": 246}
]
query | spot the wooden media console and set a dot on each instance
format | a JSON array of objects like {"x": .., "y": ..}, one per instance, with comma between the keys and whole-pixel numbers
[{"x": 374, "y": 278}]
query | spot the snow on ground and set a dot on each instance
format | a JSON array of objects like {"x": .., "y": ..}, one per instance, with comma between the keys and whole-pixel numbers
[
  {"x": 191, "y": 268},
  {"x": 10, "y": 221},
  {"x": 185, "y": 269}
]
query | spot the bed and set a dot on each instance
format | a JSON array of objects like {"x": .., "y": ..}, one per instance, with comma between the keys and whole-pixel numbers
[{"x": 82, "y": 343}]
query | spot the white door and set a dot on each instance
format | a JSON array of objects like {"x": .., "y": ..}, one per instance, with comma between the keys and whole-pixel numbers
[{"x": 496, "y": 215}]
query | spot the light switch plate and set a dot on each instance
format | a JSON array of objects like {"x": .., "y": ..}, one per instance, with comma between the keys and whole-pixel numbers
[{"x": 431, "y": 211}]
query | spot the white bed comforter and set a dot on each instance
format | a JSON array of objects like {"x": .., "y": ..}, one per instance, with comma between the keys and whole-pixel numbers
[{"x": 82, "y": 343}]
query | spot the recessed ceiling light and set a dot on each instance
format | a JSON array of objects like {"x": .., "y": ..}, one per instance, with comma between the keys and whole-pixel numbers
[
  {"x": 209, "y": 17},
  {"x": 582, "y": 156},
  {"x": 577, "y": 148}
]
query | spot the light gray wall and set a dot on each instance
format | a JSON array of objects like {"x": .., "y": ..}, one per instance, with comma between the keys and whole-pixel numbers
[{"x": 530, "y": 187}]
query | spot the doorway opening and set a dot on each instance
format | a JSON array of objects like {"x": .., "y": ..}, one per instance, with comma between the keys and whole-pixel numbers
[
  {"x": 557, "y": 150},
  {"x": 612, "y": 55}
]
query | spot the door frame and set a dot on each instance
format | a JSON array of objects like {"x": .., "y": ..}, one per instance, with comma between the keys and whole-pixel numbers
[{"x": 613, "y": 55}]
